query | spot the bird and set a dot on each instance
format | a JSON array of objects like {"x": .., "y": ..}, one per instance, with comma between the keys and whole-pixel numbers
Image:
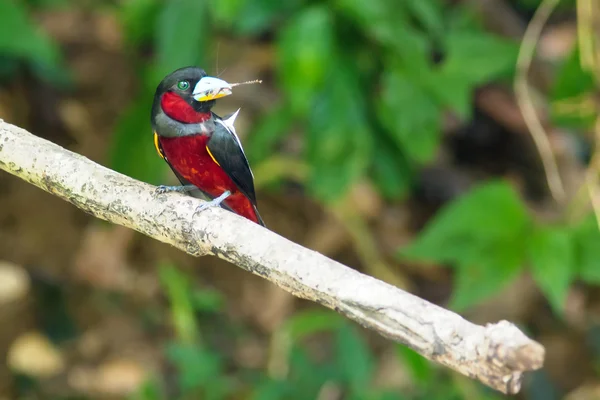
[{"x": 202, "y": 149}]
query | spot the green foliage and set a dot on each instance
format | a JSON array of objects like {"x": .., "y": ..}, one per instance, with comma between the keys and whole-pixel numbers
[
  {"x": 132, "y": 150},
  {"x": 182, "y": 309},
  {"x": 21, "y": 40},
  {"x": 488, "y": 237},
  {"x": 473, "y": 58},
  {"x": 416, "y": 131},
  {"x": 586, "y": 237},
  {"x": 552, "y": 256},
  {"x": 180, "y": 44},
  {"x": 268, "y": 133},
  {"x": 420, "y": 368},
  {"x": 139, "y": 19},
  {"x": 355, "y": 361},
  {"x": 200, "y": 371},
  {"x": 481, "y": 234},
  {"x": 573, "y": 93},
  {"x": 309, "y": 322},
  {"x": 390, "y": 170}
]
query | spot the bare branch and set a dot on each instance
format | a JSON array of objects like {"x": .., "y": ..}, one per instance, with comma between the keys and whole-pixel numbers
[{"x": 497, "y": 354}]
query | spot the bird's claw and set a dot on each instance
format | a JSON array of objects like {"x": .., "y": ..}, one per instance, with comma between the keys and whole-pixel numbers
[{"x": 216, "y": 202}]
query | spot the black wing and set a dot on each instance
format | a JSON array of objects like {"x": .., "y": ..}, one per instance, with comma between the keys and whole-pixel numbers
[{"x": 225, "y": 147}]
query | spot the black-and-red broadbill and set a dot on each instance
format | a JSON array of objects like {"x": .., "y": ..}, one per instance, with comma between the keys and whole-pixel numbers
[{"x": 202, "y": 149}]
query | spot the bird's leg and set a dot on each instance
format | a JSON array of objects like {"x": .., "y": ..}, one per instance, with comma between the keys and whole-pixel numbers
[
  {"x": 214, "y": 202},
  {"x": 179, "y": 189}
]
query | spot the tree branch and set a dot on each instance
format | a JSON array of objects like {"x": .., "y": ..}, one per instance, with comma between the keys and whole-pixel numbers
[{"x": 497, "y": 354}]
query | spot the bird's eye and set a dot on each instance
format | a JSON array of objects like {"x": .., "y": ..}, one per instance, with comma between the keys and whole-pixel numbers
[{"x": 183, "y": 85}]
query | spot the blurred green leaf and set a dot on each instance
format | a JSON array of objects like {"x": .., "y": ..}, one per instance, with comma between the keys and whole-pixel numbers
[
  {"x": 149, "y": 390},
  {"x": 33, "y": 45},
  {"x": 472, "y": 59},
  {"x": 178, "y": 289},
  {"x": 139, "y": 19},
  {"x": 430, "y": 14},
  {"x": 132, "y": 150},
  {"x": 339, "y": 144},
  {"x": 480, "y": 57},
  {"x": 251, "y": 17},
  {"x": 587, "y": 244},
  {"x": 354, "y": 359},
  {"x": 271, "y": 389},
  {"x": 207, "y": 300},
  {"x": 419, "y": 367},
  {"x": 309, "y": 322},
  {"x": 266, "y": 134},
  {"x": 224, "y": 13},
  {"x": 391, "y": 171},
  {"x": 411, "y": 116},
  {"x": 305, "y": 49},
  {"x": 552, "y": 256},
  {"x": 388, "y": 22},
  {"x": 572, "y": 88},
  {"x": 482, "y": 232},
  {"x": 486, "y": 214},
  {"x": 306, "y": 378},
  {"x": 181, "y": 35},
  {"x": 199, "y": 369},
  {"x": 486, "y": 268}
]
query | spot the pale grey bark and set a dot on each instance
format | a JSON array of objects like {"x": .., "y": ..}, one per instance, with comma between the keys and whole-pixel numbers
[{"x": 497, "y": 354}]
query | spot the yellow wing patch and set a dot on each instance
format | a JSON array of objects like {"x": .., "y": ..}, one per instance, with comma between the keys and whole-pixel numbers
[
  {"x": 157, "y": 146},
  {"x": 211, "y": 156}
]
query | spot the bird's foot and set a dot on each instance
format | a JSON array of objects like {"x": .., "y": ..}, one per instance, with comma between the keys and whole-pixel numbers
[
  {"x": 216, "y": 202},
  {"x": 179, "y": 189}
]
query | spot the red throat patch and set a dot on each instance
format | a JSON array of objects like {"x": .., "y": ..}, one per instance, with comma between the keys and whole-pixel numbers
[{"x": 178, "y": 109}]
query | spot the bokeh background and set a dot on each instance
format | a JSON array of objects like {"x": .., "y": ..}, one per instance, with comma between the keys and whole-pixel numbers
[{"x": 386, "y": 134}]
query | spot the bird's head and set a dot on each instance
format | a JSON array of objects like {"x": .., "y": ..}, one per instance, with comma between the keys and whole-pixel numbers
[{"x": 188, "y": 94}]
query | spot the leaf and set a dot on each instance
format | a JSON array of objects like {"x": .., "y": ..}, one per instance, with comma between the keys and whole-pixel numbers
[
  {"x": 178, "y": 290},
  {"x": 354, "y": 359},
  {"x": 572, "y": 94},
  {"x": 182, "y": 32},
  {"x": 304, "y": 50},
  {"x": 139, "y": 18},
  {"x": 309, "y": 322},
  {"x": 552, "y": 257},
  {"x": 271, "y": 389},
  {"x": 132, "y": 151},
  {"x": 479, "y": 57},
  {"x": 486, "y": 269},
  {"x": 410, "y": 115},
  {"x": 429, "y": 14},
  {"x": 207, "y": 300},
  {"x": 267, "y": 132},
  {"x": 247, "y": 17},
  {"x": 418, "y": 366},
  {"x": 390, "y": 171},
  {"x": 472, "y": 58},
  {"x": 339, "y": 144},
  {"x": 33, "y": 45},
  {"x": 197, "y": 368},
  {"x": 389, "y": 23},
  {"x": 488, "y": 214},
  {"x": 306, "y": 378},
  {"x": 149, "y": 390},
  {"x": 587, "y": 244}
]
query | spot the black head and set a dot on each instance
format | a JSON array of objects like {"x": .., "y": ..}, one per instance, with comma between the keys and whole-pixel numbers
[{"x": 182, "y": 83}]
